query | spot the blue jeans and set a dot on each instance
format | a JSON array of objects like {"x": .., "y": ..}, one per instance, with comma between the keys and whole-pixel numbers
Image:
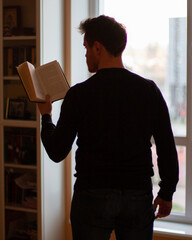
[{"x": 96, "y": 213}]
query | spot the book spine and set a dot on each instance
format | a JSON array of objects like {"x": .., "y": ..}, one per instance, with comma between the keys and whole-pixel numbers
[
  {"x": 13, "y": 56},
  {"x": 5, "y": 61},
  {"x": 10, "y": 62}
]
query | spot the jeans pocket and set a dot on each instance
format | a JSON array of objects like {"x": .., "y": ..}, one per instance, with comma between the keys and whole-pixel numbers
[
  {"x": 137, "y": 209},
  {"x": 90, "y": 205}
]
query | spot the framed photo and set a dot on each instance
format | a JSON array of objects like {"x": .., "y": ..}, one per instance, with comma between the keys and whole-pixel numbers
[
  {"x": 16, "y": 108},
  {"x": 11, "y": 19}
]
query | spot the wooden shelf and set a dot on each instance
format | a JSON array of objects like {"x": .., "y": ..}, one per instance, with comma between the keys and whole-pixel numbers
[
  {"x": 19, "y": 123},
  {"x": 19, "y": 38},
  {"x": 14, "y": 78},
  {"x": 20, "y": 209},
  {"x": 12, "y": 165}
]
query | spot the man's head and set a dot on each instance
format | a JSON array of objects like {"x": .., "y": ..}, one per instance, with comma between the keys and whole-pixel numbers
[
  {"x": 111, "y": 34},
  {"x": 102, "y": 34}
]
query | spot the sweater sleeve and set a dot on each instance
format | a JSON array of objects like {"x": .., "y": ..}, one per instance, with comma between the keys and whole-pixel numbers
[
  {"x": 166, "y": 150},
  {"x": 58, "y": 139}
]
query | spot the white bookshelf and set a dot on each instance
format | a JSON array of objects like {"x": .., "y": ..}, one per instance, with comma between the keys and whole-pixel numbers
[{"x": 35, "y": 210}]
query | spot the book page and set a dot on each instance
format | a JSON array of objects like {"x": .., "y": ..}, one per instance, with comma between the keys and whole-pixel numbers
[
  {"x": 53, "y": 80},
  {"x": 26, "y": 78},
  {"x": 40, "y": 94},
  {"x": 30, "y": 82}
]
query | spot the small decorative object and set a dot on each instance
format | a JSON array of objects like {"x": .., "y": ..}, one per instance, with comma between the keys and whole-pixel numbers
[
  {"x": 11, "y": 20},
  {"x": 16, "y": 108}
]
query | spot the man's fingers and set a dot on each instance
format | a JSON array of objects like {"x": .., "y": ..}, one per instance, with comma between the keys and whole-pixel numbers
[
  {"x": 47, "y": 98},
  {"x": 162, "y": 212},
  {"x": 154, "y": 207},
  {"x": 155, "y": 204},
  {"x": 164, "y": 207}
]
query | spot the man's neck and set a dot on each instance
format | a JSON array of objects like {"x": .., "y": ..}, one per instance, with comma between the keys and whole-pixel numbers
[{"x": 109, "y": 61}]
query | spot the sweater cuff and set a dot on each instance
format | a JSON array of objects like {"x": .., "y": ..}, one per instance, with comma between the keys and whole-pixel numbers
[
  {"x": 46, "y": 118},
  {"x": 167, "y": 196}
]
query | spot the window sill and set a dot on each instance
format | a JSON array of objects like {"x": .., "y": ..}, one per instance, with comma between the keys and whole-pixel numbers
[{"x": 171, "y": 229}]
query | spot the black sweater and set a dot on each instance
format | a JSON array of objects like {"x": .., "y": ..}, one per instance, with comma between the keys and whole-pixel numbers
[{"x": 114, "y": 114}]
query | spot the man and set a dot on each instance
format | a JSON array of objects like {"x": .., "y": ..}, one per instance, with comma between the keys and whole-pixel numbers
[{"x": 114, "y": 114}]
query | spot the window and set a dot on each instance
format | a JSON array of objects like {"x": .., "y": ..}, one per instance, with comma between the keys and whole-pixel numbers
[{"x": 157, "y": 48}]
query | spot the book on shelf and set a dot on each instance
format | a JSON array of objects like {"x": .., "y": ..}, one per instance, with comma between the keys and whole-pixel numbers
[
  {"x": 30, "y": 202},
  {"x": 13, "y": 56},
  {"x": 20, "y": 148},
  {"x": 46, "y": 79},
  {"x": 20, "y": 188},
  {"x": 21, "y": 226}
]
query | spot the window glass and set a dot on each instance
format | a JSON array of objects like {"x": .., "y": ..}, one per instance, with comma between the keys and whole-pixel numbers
[
  {"x": 179, "y": 195},
  {"x": 156, "y": 48}
]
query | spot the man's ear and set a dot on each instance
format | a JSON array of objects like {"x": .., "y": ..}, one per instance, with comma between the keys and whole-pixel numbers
[{"x": 98, "y": 47}]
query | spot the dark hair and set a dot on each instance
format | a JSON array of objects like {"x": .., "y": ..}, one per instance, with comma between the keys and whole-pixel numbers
[{"x": 107, "y": 31}]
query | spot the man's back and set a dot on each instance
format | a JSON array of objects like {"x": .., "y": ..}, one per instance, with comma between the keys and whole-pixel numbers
[{"x": 116, "y": 113}]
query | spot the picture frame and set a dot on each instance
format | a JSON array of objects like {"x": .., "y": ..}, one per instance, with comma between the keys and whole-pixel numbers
[
  {"x": 16, "y": 108},
  {"x": 11, "y": 19}
]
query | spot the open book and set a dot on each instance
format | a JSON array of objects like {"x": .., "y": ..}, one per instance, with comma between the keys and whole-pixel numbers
[{"x": 45, "y": 79}]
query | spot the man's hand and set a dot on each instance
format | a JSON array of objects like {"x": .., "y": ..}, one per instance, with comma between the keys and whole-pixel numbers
[
  {"x": 164, "y": 207},
  {"x": 45, "y": 108}
]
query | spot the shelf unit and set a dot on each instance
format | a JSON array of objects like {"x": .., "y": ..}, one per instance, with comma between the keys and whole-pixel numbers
[{"x": 29, "y": 182}]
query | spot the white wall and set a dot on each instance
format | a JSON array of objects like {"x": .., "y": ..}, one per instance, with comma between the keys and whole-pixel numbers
[
  {"x": 79, "y": 71},
  {"x": 51, "y": 39},
  {"x": 79, "y": 12}
]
